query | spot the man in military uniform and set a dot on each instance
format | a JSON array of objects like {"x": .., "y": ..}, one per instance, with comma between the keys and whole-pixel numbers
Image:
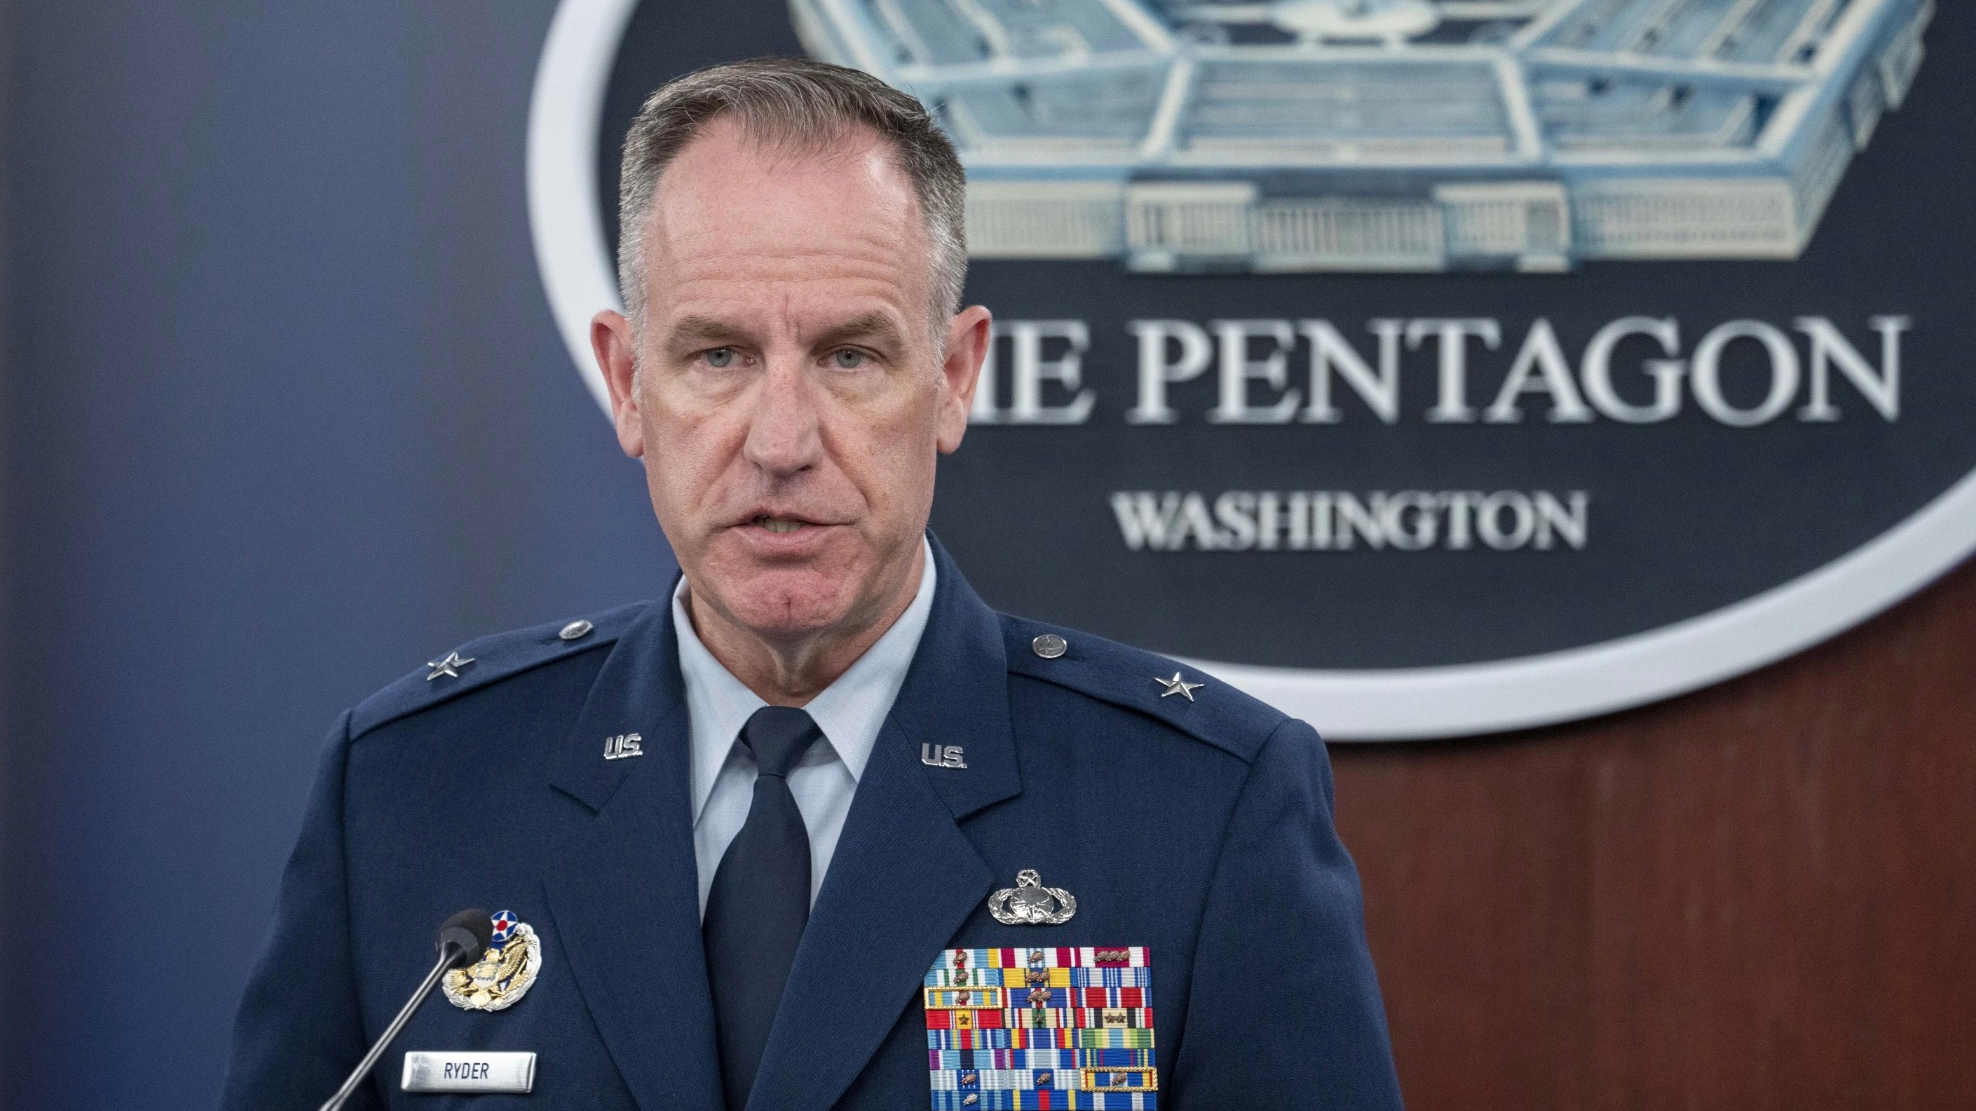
[{"x": 819, "y": 829}]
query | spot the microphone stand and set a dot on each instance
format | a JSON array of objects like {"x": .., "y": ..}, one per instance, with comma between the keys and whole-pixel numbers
[{"x": 449, "y": 953}]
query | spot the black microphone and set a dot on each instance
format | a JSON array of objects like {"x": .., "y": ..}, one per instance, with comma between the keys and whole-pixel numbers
[{"x": 462, "y": 939}]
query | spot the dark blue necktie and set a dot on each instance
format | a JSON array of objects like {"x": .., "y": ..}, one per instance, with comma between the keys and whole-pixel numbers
[{"x": 760, "y": 900}]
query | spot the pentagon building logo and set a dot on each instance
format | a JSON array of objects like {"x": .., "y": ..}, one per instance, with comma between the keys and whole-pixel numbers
[{"x": 1396, "y": 135}]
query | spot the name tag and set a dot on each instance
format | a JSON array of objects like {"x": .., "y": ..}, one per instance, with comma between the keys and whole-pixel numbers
[{"x": 469, "y": 1072}]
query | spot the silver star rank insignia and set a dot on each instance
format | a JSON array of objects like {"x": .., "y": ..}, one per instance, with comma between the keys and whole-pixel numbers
[
  {"x": 1177, "y": 685},
  {"x": 449, "y": 667}
]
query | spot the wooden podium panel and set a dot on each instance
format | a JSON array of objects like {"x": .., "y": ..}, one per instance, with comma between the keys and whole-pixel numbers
[{"x": 1761, "y": 895}]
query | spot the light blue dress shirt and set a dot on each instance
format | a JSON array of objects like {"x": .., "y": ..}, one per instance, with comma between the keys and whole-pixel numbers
[{"x": 850, "y": 712}]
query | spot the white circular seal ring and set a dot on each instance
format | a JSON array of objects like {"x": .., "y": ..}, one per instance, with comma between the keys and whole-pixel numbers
[{"x": 1391, "y": 704}]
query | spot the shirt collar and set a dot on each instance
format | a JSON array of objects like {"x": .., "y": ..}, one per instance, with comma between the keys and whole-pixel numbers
[{"x": 850, "y": 711}]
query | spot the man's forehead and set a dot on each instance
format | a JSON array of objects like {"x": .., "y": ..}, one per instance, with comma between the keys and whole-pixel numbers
[
  {"x": 787, "y": 196},
  {"x": 732, "y": 213}
]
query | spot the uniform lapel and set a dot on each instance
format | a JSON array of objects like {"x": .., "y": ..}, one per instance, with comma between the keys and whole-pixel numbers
[
  {"x": 904, "y": 877},
  {"x": 624, "y": 892}
]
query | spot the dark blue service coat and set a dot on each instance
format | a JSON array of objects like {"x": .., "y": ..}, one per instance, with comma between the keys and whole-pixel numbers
[{"x": 1199, "y": 829}]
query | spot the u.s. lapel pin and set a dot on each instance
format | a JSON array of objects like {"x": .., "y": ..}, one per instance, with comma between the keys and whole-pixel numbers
[
  {"x": 623, "y": 745},
  {"x": 942, "y": 756}
]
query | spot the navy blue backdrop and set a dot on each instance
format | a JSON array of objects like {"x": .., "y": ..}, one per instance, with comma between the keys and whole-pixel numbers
[{"x": 289, "y": 417}]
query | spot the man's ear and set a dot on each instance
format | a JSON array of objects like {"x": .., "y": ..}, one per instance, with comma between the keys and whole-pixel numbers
[
  {"x": 612, "y": 341},
  {"x": 967, "y": 348}
]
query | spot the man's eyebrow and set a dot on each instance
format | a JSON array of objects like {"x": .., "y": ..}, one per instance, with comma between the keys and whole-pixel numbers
[
  {"x": 701, "y": 329},
  {"x": 875, "y": 326}
]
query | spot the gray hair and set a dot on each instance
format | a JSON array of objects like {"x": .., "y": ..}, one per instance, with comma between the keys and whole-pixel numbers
[{"x": 811, "y": 105}]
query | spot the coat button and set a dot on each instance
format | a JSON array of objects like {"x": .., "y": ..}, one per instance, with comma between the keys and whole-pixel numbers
[
  {"x": 1049, "y": 646},
  {"x": 576, "y": 630}
]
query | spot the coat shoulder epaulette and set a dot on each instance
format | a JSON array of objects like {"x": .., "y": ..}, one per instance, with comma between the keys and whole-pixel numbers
[
  {"x": 477, "y": 663},
  {"x": 1183, "y": 697}
]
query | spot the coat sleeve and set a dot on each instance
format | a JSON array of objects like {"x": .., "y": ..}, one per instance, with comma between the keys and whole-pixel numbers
[
  {"x": 299, "y": 1031},
  {"x": 1284, "y": 1008}
]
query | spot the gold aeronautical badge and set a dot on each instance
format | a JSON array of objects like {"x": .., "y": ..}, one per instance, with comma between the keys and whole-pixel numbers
[{"x": 504, "y": 972}]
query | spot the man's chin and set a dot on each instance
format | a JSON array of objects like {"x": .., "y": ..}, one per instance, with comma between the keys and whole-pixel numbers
[{"x": 785, "y": 603}]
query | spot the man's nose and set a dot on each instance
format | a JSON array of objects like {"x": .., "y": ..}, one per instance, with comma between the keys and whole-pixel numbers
[{"x": 784, "y": 433}]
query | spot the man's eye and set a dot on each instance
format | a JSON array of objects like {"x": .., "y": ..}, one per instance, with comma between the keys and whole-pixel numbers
[
  {"x": 721, "y": 357},
  {"x": 848, "y": 359}
]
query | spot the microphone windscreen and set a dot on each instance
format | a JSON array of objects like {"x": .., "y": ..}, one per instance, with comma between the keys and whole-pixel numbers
[{"x": 467, "y": 934}]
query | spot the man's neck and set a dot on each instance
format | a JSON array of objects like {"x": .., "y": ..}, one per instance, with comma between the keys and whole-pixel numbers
[{"x": 791, "y": 672}]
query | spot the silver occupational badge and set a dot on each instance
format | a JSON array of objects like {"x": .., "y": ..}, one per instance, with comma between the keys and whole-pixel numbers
[
  {"x": 1029, "y": 903},
  {"x": 504, "y": 972}
]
